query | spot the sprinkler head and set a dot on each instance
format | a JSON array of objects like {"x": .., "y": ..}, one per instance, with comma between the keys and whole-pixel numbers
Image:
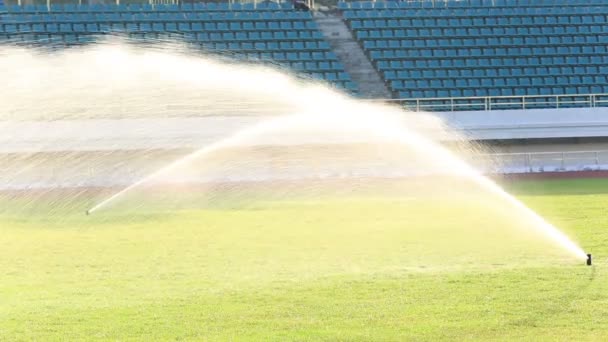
[
  {"x": 589, "y": 260},
  {"x": 87, "y": 213}
]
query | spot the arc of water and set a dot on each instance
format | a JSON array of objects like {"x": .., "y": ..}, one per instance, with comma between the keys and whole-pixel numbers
[
  {"x": 259, "y": 127},
  {"x": 465, "y": 169},
  {"x": 382, "y": 129},
  {"x": 555, "y": 234}
]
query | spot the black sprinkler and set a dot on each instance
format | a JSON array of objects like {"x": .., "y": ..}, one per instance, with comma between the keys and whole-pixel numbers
[{"x": 589, "y": 260}]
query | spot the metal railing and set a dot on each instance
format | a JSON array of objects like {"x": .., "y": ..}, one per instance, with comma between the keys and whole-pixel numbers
[
  {"x": 48, "y": 3},
  {"x": 486, "y": 103},
  {"x": 546, "y": 161},
  {"x": 450, "y": 3}
]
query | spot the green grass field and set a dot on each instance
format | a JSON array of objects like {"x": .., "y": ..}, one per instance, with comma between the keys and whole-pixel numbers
[{"x": 345, "y": 269}]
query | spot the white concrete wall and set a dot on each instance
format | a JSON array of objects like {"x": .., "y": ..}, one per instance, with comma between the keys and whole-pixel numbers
[
  {"x": 532, "y": 123},
  {"x": 117, "y": 134},
  {"x": 192, "y": 132}
]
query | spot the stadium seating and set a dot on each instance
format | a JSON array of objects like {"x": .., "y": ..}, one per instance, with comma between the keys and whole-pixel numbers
[
  {"x": 478, "y": 48},
  {"x": 268, "y": 32}
]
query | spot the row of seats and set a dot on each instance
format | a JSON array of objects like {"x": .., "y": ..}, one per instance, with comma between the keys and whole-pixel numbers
[
  {"x": 266, "y": 33},
  {"x": 566, "y": 71},
  {"x": 484, "y": 32},
  {"x": 448, "y": 62},
  {"x": 530, "y": 45},
  {"x": 475, "y": 13},
  {"x": 156, "y": 26},
  {"x": 310, "y": 65},
  {"x": 503, "y": 62},
  {"x": 561, "y": 74},
  {"x": 462, "y": 3},
  {"x": 481, "y": 23},
  {"x": 397, "y": 51},
  {"x": 289, "y": 40},
  {"x": 312, "y": 60},
  {"x": 316, "y": 49},
  {"x": 506, "y": 91},
  {"x": 330, "y": 76},
  {"x": 505, "y": 41},
  {"x": 312, "y": 46},
  {"x": 306, "y": 39},
  {"x": 294, "y": 51},
  {"x": 184, "y": 7},
  {"x": 498, "y": 82},
  {"x": 341, "y": 80},
  {"x": 158, "y": 16}
]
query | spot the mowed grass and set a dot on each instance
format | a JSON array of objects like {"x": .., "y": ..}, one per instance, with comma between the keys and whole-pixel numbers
[{"x": 349, "y": 269}]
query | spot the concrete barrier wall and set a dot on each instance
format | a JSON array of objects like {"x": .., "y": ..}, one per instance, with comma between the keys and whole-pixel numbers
[
  {"x": 530, "y": 124},
  {"x": 192, "y": 132}
]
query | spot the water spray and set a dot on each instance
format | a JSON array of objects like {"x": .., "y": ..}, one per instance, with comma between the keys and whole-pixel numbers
[{"x": 349, "y": 118}]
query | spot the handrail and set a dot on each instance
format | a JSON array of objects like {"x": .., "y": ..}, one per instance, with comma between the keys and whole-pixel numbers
[
  {"x": 544, "y": 161},
  {"x": 544, "y": 153},
  {"x": 486, "y": 103}
]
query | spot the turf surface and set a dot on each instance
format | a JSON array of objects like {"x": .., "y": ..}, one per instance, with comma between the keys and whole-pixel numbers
[{"x": 336, "y": 270}]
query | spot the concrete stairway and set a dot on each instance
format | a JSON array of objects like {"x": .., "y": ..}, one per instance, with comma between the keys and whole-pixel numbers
[{"x": 352, "y": 56}]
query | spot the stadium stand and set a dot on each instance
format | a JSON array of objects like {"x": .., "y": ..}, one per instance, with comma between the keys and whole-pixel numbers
[
  {"x": 267, "y": 31},
  {"x": 447, "y": 50}
]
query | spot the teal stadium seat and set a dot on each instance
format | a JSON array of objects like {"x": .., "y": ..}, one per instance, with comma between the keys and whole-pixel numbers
[
  {"x": 571, "y": 36},
  {"x": 253, "y": 31}
]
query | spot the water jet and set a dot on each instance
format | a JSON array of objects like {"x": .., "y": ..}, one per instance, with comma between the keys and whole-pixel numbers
[{"x": 290, "y": 121}]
